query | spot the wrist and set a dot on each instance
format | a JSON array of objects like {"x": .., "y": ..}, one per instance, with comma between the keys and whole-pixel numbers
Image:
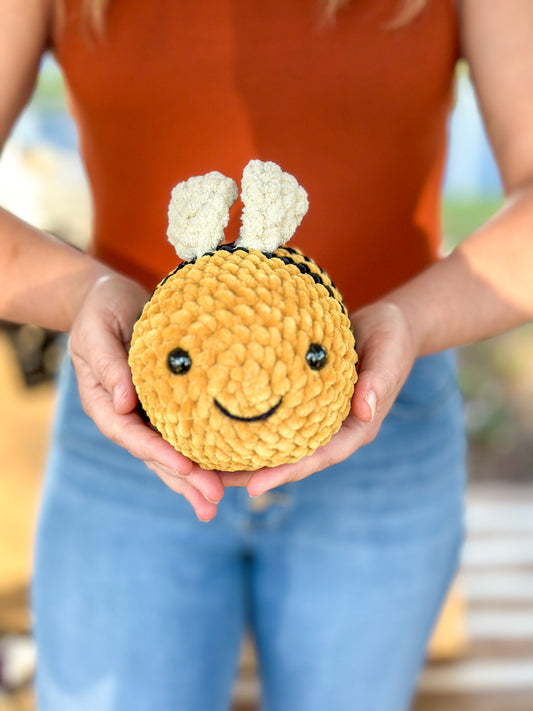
[
  {"x": 85, "y": 281},
  {"x": 117, "y": 299},
  {"x": 391, "y": 312},
  {"x": 407, "y": 311}
]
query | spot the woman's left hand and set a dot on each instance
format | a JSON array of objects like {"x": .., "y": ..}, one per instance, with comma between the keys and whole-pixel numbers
[{"x": 387, "y": 351}]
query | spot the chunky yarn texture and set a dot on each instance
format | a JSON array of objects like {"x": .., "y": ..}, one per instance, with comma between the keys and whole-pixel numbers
[{"x": 245, "y": 322}]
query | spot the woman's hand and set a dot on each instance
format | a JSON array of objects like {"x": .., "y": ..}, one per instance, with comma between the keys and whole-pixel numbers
[
  {"x": 99, "y": 338},
  {"x": 387, "y": 352}
]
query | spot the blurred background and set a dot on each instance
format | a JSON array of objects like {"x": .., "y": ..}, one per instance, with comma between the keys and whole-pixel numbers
[{"x": 481, "y": 657}]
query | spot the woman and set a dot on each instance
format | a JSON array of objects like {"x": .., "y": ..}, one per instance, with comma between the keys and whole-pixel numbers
[{"x": 341, "y": 572}]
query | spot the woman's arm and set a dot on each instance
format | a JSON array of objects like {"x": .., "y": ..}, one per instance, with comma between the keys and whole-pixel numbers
[
  {"x": 486, "y": 285},
  {"x": 33, "y": 266},
  {"x": 48, "y": 283}
]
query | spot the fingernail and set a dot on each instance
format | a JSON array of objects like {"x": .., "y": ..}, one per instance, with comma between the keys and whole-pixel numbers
[
  {"x": 183, "y": 472},
  {"x": 173, "y": 470},
  {"x": 118, "y": 394},
  {"x": 207, "y": 498},
  {"x": 371, "y": 400},
  {"x": 257, "y": 493},
  {"x": 203, "y": 520},
  {"x": 185, "y": 466}
]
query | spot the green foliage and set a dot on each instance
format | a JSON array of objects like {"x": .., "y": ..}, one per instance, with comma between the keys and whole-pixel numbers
[
  {"x": 462, "y": 216},
  {"x": 49, "y": 94},
  {"x": 495, "y": 375}
]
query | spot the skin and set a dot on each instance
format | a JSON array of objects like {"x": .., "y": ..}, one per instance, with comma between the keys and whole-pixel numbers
[{"x": 490, "y": 271}]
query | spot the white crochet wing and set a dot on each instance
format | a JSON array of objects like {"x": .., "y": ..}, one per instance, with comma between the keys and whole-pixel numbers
[
  {"x": 199, "y": 212},
  {"x": 274, "y": 205}
]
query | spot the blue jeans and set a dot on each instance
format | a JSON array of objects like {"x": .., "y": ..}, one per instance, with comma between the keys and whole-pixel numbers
[{"x": 139, "y": 606}]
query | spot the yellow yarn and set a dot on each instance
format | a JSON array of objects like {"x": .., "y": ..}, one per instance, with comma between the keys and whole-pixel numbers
[{"x": 247, "y": 321}]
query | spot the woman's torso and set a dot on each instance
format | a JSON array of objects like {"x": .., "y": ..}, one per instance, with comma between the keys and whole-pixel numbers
[{"x": 357, "y": 112}]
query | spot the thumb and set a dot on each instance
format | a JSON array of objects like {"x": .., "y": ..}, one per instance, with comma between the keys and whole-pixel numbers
[
  {"x": 380, "y": 381},
  {"x": 113, "y": 371},
  {"x": 104, "y": 355},
  {"x": 387, "y": 355},
  {"x": 99, "y": 332},
  {"x": 365, "y": 398},
  {"x": 124, "y": 395}
]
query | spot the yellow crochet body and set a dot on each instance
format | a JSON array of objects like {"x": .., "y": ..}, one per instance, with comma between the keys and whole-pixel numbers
[
  {"x": 244, "y": 356},
  {"x": 247, "y": 322}
]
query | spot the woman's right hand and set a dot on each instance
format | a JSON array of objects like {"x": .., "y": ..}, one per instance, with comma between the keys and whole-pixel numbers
[{"x": 99, "y": 339}]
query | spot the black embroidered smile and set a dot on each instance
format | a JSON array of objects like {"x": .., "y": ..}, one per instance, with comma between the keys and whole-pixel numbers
[{"x": 255, "y": 418}]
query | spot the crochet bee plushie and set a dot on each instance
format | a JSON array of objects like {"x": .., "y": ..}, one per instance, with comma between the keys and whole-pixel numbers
[{"x": 244, "y": 356}]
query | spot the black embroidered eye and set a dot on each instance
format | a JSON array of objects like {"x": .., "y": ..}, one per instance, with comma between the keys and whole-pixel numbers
[
  {"x": 316, "y": 356},
  {"x": 179, "y": 361}
]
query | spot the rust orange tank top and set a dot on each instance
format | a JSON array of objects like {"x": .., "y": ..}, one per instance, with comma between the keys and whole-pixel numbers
[{"x": 357, "y": 112}]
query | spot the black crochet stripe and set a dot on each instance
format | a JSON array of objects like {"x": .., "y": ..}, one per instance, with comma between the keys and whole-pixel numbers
[
  {"x": 303, "y": 268},
  {"x": 171, "y": 274},
  {"x": 303, "y": 256}
]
